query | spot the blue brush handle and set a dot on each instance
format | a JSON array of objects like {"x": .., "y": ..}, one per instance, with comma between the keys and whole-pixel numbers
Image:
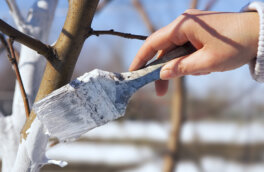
[{"x": 151, "y": 72}]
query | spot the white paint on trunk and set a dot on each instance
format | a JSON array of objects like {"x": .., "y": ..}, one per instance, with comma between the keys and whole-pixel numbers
[
  {"x": 8, "y": 142},
  {"x": 31, "y": 65},
  {"x": 31, "y": 154}
]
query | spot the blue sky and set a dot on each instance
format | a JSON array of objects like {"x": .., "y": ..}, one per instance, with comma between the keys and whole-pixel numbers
[{"x": 121, "y": 16}]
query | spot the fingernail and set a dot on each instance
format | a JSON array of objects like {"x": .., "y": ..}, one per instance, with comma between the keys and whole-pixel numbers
[
  {"x": 166, "y": 74},
  {"x": 159, "y": 54}
]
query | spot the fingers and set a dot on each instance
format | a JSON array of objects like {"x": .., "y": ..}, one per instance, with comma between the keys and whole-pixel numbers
[
  {"x": 156, "y": 41},
  {"x": 197, "y": 62},
  {"x": 198, "y": 74},
  {"x": 165, "y": 51},
  {"x": 161, "y": 87},
  {"x": 160, "y": 40}
]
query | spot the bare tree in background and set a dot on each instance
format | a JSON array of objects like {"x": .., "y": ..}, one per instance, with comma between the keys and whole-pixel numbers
[{"x": 178, "y": 112}]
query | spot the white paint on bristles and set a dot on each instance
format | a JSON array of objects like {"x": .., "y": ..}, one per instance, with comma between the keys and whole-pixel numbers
[
  {"x": 90, "y": 101},
  {"x": 85, "y": 103}
]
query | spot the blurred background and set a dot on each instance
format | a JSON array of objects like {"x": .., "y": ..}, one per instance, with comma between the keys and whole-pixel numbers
[{"x": 204, "y": 123}]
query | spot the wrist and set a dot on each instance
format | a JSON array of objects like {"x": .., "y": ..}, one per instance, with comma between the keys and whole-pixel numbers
[
  {"x": 257, "y": 64},
  {"x": 250, "y": 30}
]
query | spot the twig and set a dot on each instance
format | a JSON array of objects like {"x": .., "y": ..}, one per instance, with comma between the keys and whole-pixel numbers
[
  {"x": 102, "y": 5},
  {"x": 17, "y": 54},
  {"x": 43, "y": 49},
  {"x": 209, "y": 5},
  {"x": 3, "y": 47},
  {"x": 193, "y": 4},
  {"x": 15, "y": 11},
  {"x": 13, "y": 61},
  {"x": 112, "y": 32},
  {"x": 11, "y": 57},
  {"x": 144, "y": 15}
]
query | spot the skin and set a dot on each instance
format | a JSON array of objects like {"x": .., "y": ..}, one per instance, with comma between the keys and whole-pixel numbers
[{"x": 224, "y": 41}]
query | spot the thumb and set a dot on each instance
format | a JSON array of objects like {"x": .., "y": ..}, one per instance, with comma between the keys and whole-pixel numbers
[{"x": 196, "y": 62}]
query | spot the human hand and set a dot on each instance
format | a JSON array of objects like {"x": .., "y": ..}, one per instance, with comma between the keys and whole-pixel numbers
[{"x": 224, "y": 41}]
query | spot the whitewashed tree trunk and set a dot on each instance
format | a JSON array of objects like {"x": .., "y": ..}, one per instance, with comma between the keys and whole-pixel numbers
[{"x": 31, "y": 65}]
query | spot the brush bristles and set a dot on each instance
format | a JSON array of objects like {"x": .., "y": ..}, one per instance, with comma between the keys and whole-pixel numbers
[{"x": 78, "y": 107}]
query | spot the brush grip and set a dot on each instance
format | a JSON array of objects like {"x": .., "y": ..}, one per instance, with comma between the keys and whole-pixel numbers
[
  {"x": 179, "y": 51},
  {"x": 151, "y": 72}
]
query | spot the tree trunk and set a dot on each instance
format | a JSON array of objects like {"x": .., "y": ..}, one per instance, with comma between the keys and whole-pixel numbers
[
  {"x": 30, "y": 155},
  {"x": 31, "y": 67},
  {"x": 177, "y": 113}
]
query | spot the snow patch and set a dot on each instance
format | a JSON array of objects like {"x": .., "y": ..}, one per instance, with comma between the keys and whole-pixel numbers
[{"x": 105, "y": 153}]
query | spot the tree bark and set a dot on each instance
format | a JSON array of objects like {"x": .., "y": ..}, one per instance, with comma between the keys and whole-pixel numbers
[
  {"x": 178, "y": 106},
  {"x": 31, "y": 153},
  {"x": 178, "y": 112}
]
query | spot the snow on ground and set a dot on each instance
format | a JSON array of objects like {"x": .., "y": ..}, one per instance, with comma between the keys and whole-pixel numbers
[
  {"x": 116, "y": 154},
  {"x": 223, "y": 132},
  {"x": 131, "y": 130},
  {"x": 100, "y": 153},
  {"x": 214, "y": 164},
  {"x": 120, "y": 154},
  {"x": 206, "y": 131}
]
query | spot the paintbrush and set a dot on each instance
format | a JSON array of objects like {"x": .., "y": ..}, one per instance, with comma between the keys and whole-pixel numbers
[{"x": 97, "y": 97}]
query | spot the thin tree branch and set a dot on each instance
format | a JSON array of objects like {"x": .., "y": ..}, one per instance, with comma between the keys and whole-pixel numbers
[
  {"x": 2, "y": 48},
  {"x": 13, "y": 61},
  {"x": 144, "y": 15},
  {"x": 194, "y": 4},
  {"x": 43, "y": 49},
  {"x": 112, "y": 32},
  {"x": 17, "y": 54},
  {"x": 209, "y": 5},
  {"x": 15, "y": 12},
  {"x": 102, "y": 5}
]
